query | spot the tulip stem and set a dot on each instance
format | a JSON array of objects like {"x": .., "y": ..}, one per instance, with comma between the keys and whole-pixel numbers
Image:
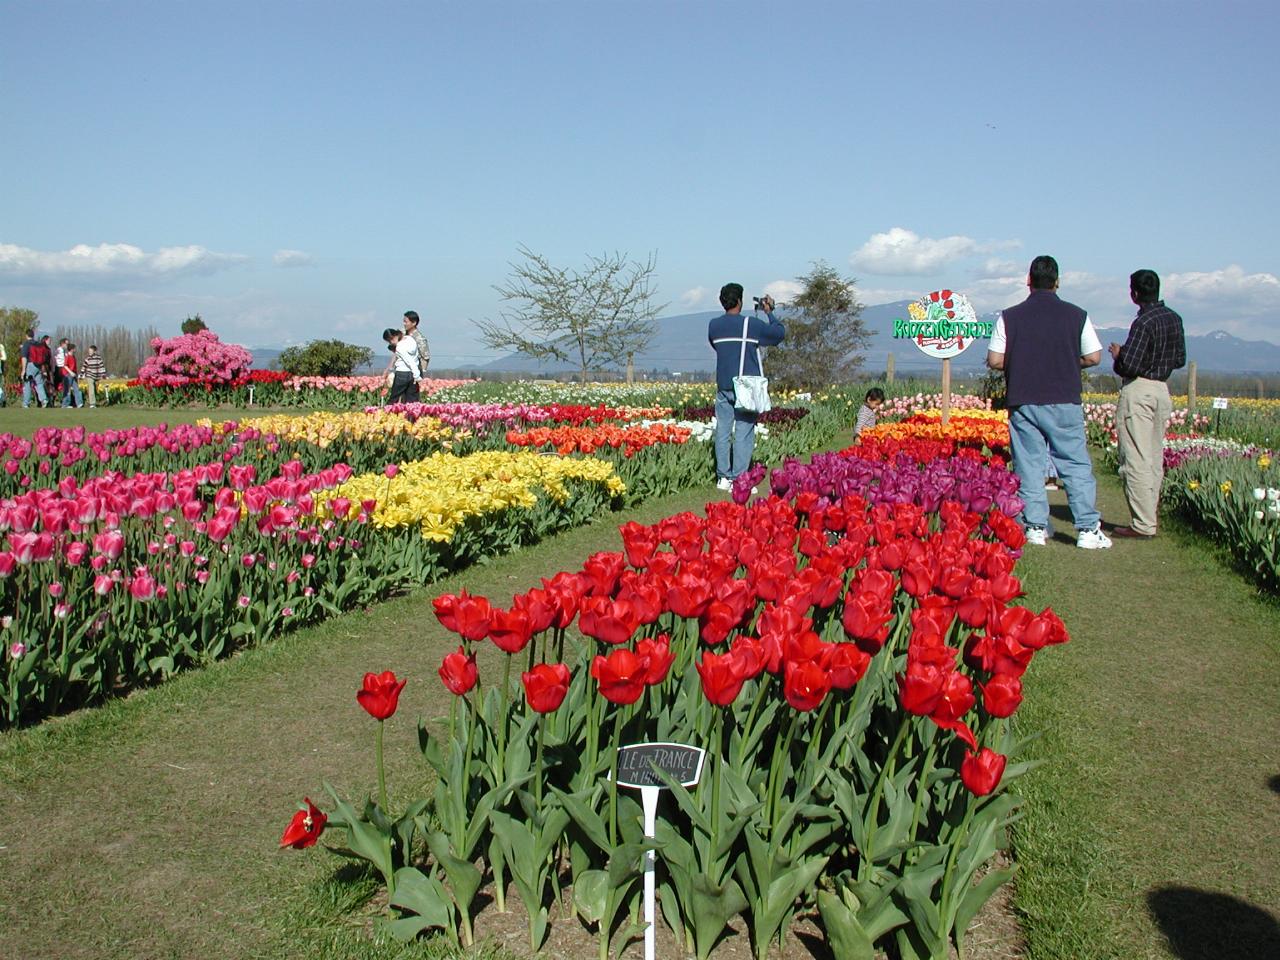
[
  {"x": 924, "y": 787},
  {"x": 613, "y": 782},
  {"x": 502, "y": 722},
  {"x": 877, "y": 792},
  {"x": 538, "y": 773},
  {"x": 382, "y": 773},
  {"x": 775, "y": 776}
]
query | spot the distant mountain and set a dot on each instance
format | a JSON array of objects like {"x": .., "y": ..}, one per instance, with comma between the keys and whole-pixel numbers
[
  {"x": 680, "y": 345},
  {"x": 264, "y": 358}
]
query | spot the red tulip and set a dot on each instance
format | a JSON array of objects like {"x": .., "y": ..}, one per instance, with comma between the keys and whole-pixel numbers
[
  {"x": 848, "y": 665},
  {"x": 639, "y": 543},
  {"x": 688, "y": 595},
  {"x": 613, "y": 621},
  {"x": 381, "y": 694},
  {"x": 866, "y": 617},
  {"x": 539, "y": 606},
  {"x": 981, "y": 771},
  {"x": 545, "y": 686},
  {"x": 472, "y": 616},
  {"x": 920, "y": 688},
  {"x": 805, "y": 685},
  {"x": 1001, "y": 695},
  {"x": 621, "y": 676},
  {"x": 305, "y": 827},
  {"x": 721, "y": 681},
  {"x": 658, "y": 653},
  {"x": 458, "y": 671},
  {"x": 956, "y": 699},
  {"x": 602, "y": 571},
  {"x": 509, "y": 630},
  {"x": 748, "y": 657}
]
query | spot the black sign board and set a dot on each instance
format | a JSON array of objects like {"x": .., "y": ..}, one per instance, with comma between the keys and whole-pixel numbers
[{"x": 636, "y": 764}]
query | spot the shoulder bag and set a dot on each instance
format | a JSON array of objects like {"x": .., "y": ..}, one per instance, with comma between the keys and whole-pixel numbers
[{"x": 750, "y": 393}]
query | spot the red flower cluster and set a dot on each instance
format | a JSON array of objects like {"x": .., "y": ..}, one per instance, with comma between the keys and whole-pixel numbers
[
  {"x": 757, "y": 579},
  {"x": 629, "y": 439}
]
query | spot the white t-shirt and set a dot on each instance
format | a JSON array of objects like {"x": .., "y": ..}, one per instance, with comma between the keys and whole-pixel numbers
[
  {"x": 407, "y": 356},
  {"x": 1089, "y": 342}
]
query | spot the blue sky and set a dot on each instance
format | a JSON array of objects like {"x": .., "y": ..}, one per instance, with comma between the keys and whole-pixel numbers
[{"x": 301, "y": 170}]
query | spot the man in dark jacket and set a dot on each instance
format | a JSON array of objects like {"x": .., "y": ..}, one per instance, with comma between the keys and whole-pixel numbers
[
  {"x": 1041, "y": 345},
  {"x": 737, "y": 341}
]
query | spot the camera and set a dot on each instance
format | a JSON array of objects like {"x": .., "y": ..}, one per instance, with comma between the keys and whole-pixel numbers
[{"x": 759, "y": 302}]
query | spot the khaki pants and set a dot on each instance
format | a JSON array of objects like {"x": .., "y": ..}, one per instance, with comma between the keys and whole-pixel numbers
[
  {"x": 93, "y": 391},
  {"x": 1141, "y": 418}
]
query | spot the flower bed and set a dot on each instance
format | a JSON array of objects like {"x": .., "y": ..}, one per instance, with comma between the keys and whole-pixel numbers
[
  {"x": 126, "y": 579},
  {"x": 1232, "y": 496},
  {"x": 847, "y": 650},
  {"x": 981, "y": 430}
]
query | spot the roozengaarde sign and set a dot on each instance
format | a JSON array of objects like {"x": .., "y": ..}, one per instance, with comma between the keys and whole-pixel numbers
[{"x": 942, "y": 324}]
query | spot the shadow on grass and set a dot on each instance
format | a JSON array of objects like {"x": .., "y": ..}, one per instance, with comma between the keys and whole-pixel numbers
[
  {"x": 1202, "y": 925},
  {"x": 1274, "y": 783}
]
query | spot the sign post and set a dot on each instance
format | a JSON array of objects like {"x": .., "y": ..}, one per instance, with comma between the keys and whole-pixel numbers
[
  {"x": 638, "y": 766},
  {"x": 943, "y": 325},
  {"x": 1219, "y": 404}
]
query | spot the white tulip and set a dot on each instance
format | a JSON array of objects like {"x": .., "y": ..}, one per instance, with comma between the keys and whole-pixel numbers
[{"x": 1259, "y": 493}]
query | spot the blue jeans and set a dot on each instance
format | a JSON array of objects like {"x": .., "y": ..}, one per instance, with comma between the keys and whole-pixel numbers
[
  {"x": 1057, "y": 428},
  {"x": 742, "y": 425},
  {"x": 71, "y": 391},
  {"x": 33, "y": 382}
]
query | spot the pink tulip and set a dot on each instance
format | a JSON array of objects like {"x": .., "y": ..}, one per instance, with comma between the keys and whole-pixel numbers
[
  {"x": 102, "y": 584},
  {"x": 142, "y": 587},
  {"x": 109, "y": 543}
]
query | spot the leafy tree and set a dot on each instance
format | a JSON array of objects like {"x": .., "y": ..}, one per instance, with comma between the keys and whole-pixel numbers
[
  {"x": 594, "y": 317},
  {"x": 194, "y": 324},
  {"x": 324, "y": 358},
  {"x": 14, "y": 324},
  {"x": 825, "y": 333}
]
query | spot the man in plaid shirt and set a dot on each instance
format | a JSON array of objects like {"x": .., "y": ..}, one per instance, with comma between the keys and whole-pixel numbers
[{"x": 1156, "y": 346}]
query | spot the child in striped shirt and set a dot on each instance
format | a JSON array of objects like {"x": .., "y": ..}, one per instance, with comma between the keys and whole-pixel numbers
[{"x": 867, "y": 412}]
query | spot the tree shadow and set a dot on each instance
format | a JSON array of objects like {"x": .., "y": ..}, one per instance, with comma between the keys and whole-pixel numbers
[
  {"x": 1274, "y": 783},
  {"x": 1202, "y": 925}
]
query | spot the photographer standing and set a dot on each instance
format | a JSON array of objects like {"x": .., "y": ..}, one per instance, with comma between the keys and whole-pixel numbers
[{"x": 727, "y": 335}]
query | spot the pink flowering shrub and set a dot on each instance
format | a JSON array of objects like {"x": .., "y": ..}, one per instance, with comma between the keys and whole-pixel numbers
[{"x": 194, "y": 358}]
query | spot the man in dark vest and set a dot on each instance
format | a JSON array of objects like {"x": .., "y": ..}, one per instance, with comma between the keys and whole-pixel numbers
[{"x": 1041, "y": 345}]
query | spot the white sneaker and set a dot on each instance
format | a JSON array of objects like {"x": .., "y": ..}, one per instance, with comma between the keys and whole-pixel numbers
[
  {"x": 724, "y": 483},
  {"x": 1036, "y": 536},
  {"x": 1093, "y": 539}
]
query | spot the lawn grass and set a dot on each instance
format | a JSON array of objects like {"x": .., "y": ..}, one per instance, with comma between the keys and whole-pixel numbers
[{"x": 1152, "y": 829}]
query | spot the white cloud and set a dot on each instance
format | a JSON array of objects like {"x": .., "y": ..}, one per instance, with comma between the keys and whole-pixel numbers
[
  {"x": 902, "y": 252},
  {"x": 693, "y": 298},
  {"x": 118, "y": 261},
  {"x": 363, "y": 321},
  {"x": 292, "y": 258},
  {"x": 1229, "y": 291},
  {"x": 994, "y": 267},
  {"x": 784, "y": 291}
]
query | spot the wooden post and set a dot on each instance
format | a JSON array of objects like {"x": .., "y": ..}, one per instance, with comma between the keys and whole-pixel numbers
[
  {"x": 946, "y": 390},
  {"x": 631, "y": 369},
  {"x": 1261, "y": 390},
  {"x": 1191, "y": 388},
  {"x": 888, "y": 369}
]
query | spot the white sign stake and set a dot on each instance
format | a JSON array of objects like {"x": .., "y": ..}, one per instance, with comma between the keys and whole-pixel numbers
[{"x": 637, "y": 766}]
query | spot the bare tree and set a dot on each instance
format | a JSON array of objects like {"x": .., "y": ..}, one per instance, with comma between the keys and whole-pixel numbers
[{"x": 594, "y": 317}]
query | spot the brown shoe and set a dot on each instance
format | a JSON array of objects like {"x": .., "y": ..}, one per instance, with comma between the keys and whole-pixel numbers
[{"x": 1128, "y": 533}]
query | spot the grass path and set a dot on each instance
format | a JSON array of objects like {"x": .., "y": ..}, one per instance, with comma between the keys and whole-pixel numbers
[
  {"x": 1154, "y": 829},
  {"x": 147, "y": 828}
]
